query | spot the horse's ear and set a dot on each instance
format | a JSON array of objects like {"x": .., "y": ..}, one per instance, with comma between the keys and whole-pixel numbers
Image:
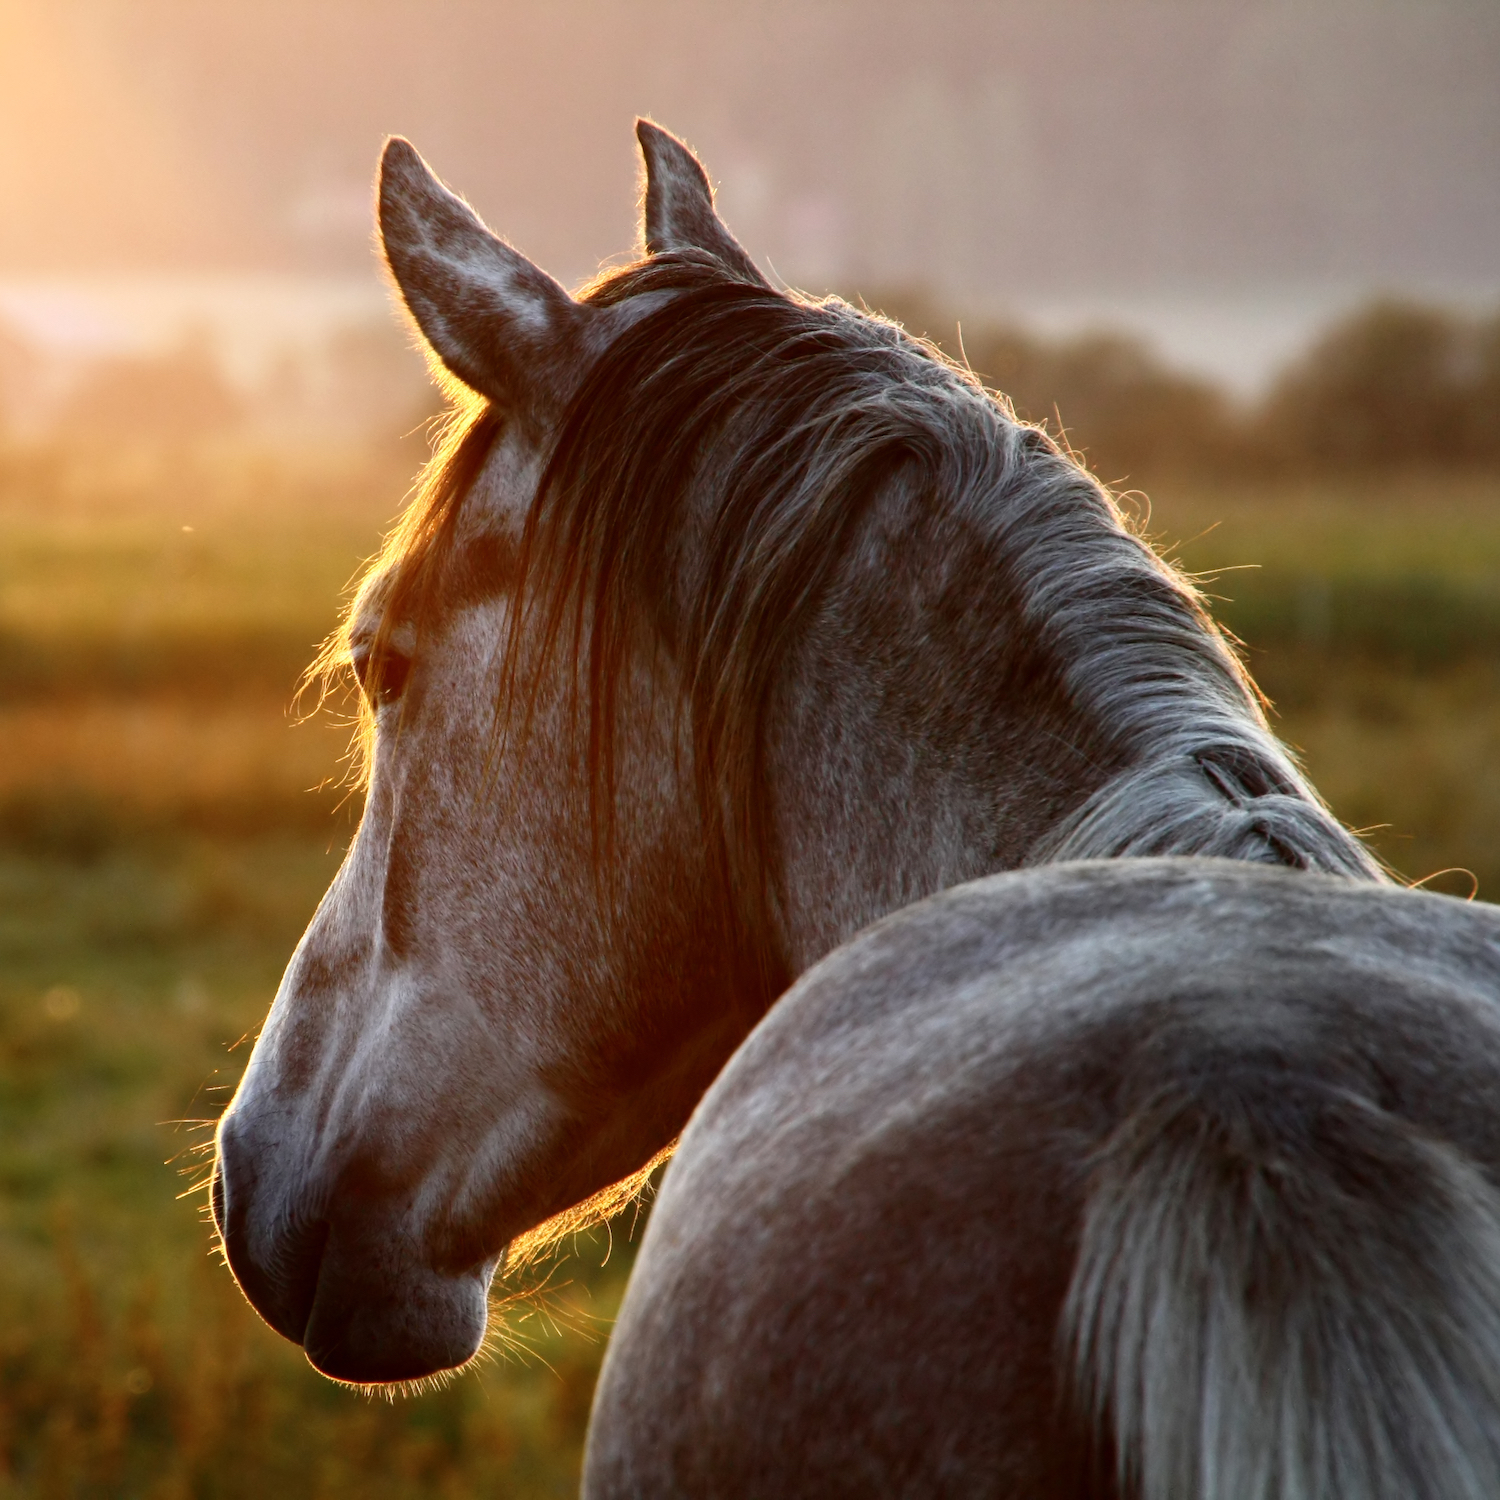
[
  {"x": 498, "y": 322},
  {"x": 679, "y": 208}
]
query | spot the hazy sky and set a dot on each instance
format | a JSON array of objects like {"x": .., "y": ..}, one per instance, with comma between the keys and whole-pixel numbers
[{"x": 1053, "y": 146}]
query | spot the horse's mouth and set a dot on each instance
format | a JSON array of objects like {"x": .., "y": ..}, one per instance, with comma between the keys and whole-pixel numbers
[
  {"x": 362, "y": 1311},
  {"x": 375, "y": 1331}
]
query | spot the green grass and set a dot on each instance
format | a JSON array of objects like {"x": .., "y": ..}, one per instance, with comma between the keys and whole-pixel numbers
[
  {"x": 129, "y": 1364},
  {"x": 162, "y": 845},
  {"x": 197, "y": 574},
  {"x": 1371, "y": 615},
  {"x": 1406, "y": 569},
  {"x": 1411, "y": 754}
]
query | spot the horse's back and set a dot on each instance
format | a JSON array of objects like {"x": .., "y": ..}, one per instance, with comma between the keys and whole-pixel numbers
[{"x": 855, "y": 1276}]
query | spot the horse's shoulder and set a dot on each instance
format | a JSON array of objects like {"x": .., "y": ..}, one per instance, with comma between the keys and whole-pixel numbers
[{"x": 848, "y": 1192}]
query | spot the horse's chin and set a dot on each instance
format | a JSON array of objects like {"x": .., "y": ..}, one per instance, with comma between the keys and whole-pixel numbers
[{"x": 369, "y": 1326}]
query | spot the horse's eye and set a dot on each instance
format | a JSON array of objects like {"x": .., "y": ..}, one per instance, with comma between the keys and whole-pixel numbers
[{"x": 382, "y": 671}]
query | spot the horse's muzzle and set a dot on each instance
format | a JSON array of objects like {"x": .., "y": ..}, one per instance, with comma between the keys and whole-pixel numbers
[{"x": 345, "y": 1282}]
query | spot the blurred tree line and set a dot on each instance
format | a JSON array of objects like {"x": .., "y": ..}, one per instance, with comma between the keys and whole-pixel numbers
[
  {"x": 363, "y": 383},
  {"x": 1395, "y": 384}
]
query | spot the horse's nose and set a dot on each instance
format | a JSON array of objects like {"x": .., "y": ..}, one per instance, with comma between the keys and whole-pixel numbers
[
  {"x": 275, "y": 1263},
  {"x": 339, "y": 1267}
]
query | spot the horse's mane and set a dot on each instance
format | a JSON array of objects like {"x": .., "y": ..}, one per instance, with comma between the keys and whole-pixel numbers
[{"x": 761, "y": 426}]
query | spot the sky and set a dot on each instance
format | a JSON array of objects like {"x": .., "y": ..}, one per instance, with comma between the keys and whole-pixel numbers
[{"x": 1041, "y": 155}]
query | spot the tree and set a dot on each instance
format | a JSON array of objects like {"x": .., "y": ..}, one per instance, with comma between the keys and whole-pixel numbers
[{"x": 1390, "y": 384}]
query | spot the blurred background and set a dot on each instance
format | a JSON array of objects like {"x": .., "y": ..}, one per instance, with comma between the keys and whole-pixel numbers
[{"x": 1245, "y": 257}]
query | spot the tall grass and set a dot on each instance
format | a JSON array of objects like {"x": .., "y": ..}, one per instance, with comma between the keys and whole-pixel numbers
[
  {"x": 134, "y": 976},
  {"x": 166, "y": 829}
]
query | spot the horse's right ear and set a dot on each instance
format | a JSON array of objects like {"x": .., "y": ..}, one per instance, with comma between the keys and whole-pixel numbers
[
  {"x": 498, "y": 322},
  {"x": 678, "y": 210}
]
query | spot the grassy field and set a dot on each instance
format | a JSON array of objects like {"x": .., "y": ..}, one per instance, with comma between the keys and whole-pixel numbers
[
  {"x": 1370, "y": 612},
  {"x": 166, "y": 829}
]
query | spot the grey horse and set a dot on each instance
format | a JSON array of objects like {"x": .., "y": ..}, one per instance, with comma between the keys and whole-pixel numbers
[{"x": 727, "y": 624}]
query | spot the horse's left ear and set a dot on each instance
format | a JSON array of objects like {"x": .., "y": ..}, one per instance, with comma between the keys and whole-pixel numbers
[
  {"x": 498, "y": 322},
  {"x": 679, "y": 208}
]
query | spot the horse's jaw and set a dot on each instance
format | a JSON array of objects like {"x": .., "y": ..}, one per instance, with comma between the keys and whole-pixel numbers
[{"x": 398, "y": 1127}]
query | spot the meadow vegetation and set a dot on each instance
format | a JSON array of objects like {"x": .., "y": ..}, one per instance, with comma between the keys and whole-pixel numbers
[{"x": 167, "y": 826}]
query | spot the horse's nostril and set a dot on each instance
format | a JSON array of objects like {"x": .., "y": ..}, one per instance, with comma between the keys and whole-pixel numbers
[{"x": 277, "y": 1264}]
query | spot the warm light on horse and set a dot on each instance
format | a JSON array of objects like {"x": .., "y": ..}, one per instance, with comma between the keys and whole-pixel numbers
[{"x": 1145, "y": 1142}]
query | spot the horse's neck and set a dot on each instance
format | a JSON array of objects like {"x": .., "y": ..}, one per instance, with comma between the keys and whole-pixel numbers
[
  {"x": 925, "y": 740},
  {"x": 876, "y": 820},
  {"x": 905, "y": 766}
]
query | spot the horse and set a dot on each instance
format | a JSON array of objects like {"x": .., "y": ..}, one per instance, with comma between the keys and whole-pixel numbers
[{"x": 774, "y": 747}]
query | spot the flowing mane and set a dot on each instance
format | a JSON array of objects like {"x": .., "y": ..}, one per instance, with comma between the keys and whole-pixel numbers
[{"x": 769, "y": 425}]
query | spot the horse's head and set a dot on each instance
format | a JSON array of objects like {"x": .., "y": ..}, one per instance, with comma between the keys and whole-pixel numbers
[{"x": 487, "y": 1020}]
